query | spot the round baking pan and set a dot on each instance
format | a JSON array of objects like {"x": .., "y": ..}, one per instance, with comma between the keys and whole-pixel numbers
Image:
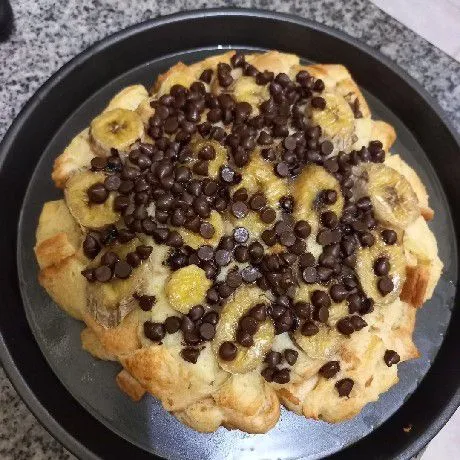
[{"x": 74, "y": 395}]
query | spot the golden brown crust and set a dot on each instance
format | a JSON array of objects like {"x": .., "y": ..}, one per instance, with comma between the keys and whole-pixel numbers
[
  {"x": 118, "y": 340},
  {"x": 174, "y": 381},
  {"x": 65, "y": 285},
  {"x": 92, "y": 345},
  {"x": 130, "y": 385},
  {"x": 414, "y": 289}
]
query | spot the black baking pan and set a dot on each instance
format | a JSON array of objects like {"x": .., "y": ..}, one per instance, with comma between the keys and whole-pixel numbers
[{"x": 75, "y": 396}]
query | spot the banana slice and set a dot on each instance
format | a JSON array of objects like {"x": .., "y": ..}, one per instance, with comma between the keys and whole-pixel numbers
[
  {"x": 393, "y": 198},
  {"x": 336, "y": 120},
  {"x": 245, "y": 89},
  {"x": 365, "y": 260},
  {"x": 186, "y": 288},
  {"x": 246, "y": 359},
  {"x": 258, "y": 175},
  {"x": 118, "y": 129},
  {"x": 128, "y": 98},
  {"x": 110, "y": 302},
  {"x": 321, "y": 345},
  {"x": 87, "y": 214},
  {"x": 194, "y": 240},
  {"x": 313, "y": 180}
]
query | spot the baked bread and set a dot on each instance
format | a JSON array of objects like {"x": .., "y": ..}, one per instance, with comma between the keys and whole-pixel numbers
[{"x": 240, "y": 237}]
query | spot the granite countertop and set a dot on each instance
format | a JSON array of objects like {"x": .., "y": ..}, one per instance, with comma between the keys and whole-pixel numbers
[{"x": 48, "y": 33}]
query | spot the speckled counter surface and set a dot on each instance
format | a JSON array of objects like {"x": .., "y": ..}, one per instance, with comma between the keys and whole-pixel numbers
[{"x": 49, "y": 33}]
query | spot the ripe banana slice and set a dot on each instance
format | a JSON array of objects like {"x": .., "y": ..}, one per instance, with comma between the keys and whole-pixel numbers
[
  {"x": 365, "y": 260},
  {"x": 186, "y": 288},
  {"x": 118, "y": 129},
  {"x": 393, "y": 198},
  {"x": 128, "y": 98},
  {"x": 246, "y": 359},
  {"x": 258, "y": 175},
  {"x": 110, "y": 302},
  {"x": 245, "y": 89},
  {"x": 321, "y": 345},
  {"x": 88, "y": 214},
  {"x": 307, "y": 187},
  {"x": 336, "y": 120},
  {"x": 195, "y": 240}
]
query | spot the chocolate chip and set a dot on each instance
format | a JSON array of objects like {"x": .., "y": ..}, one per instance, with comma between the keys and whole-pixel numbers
[
  {"x": 234, "y": 278},
  {"x": 344, "y": 386},
  {"x": 257, "y": 201},
  {"x": 241, "y": 253},
  {"x": 112, "y": 183},
  {"x": 222, "y": 257},
  {"x": 282, "y": 169},
  {"x": 273, "y": 358},
  {"x": 98, "y": 163},
  {"x": 103, "y": 273},
  {"x": 91, "y": 247},
  {"x": 282, "y": 376},
  {"x": 327, "y": 236},
  {"x": 258, "y": 312},
  {"x": 303, "y": 309},
  {"x": 358, "y": 322},
  {"x": 250, "y": 274},
  {"x": 320, "y": 299},
  {"x": 382, "y": 266},
  {"x": 385, "y": 285},
  {"x": 267, "y": 215},
  {"x": 309, "y": 275},
  {"x": 326, "y": 148},
  {"x": 367, "y": 239},
  {"x": 144, "y": 251},
  {"x": 269, "y": 237},
  {"x": 205, "y": 252},
  {"x": 338, "y": 292},
  {"x": 206, "y": 75},
  {"x": 206, "y": 230},
  {"x": 309, "y": 328},
  {"x": 306, "y": 260},
  {"x": 187, "y": 325},
  {"x": 133, "y": 259},
  {"x": 330, "y": 369},
  {"x": 354, "y": 303},
  {"x": 291, "y": 356},
  {"x": 207, "y": 331},
  {"x": 154, "y": 331},
  {"x": 287, "y": 238},
  {"x": 97, "y": 193},
  {"x": 244, "y": 338},
  {"x": 302, "y": 229},
  {"x": 249, "y": 324},
  {"x": 318, "y": 103},
  {"x": 190, "y": 354},
  {"x": 344, "y": 326},
  {"x": 196, "y": 312},
  {"x": 391, "y": 357},
  {"x": 240, "y": 234},
  {"x": 256, "y": 252},
  {"x": 389, "y": 236},
  {"x": 122, "y": 269},
  {"x": 146, "y": 302},
  {"x": 239, "y": 209},
  {"x": 172, "y": 324}
]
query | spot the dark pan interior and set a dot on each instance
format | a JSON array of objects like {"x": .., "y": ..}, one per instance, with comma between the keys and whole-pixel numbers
[{"x": 138, "y": 55}]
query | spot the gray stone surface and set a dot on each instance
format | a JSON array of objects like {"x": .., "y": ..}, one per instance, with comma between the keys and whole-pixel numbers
[{"x": 49, "y": 33}]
